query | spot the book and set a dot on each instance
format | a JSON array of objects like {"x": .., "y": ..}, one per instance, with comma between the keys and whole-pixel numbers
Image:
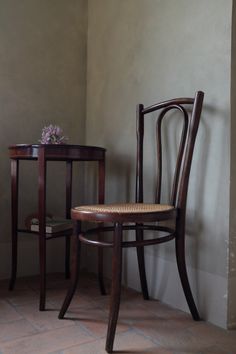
[{"x": 52, "y": 225}]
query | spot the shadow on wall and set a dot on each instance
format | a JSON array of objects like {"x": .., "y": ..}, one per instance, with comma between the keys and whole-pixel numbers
[
  {"x": 197, "y": 221},
  {"x": 118, "y": 180},
  {"x": 121, "y": 180}
]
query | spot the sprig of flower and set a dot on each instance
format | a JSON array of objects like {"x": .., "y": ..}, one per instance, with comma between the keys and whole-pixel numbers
[{"x": 52, "y": 134}]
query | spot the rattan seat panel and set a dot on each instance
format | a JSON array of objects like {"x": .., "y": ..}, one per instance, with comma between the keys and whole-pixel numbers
[{"x": 125, "y": 208}]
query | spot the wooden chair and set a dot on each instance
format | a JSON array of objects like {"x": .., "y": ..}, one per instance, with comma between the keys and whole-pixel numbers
[{"x": 140, "y": 216}]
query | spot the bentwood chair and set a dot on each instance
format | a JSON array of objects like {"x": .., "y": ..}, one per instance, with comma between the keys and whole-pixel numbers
[{"x": 140, "y": 216}]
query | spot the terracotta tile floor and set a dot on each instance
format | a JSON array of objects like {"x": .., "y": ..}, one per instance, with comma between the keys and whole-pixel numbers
[{"x": 144, "y": 326}]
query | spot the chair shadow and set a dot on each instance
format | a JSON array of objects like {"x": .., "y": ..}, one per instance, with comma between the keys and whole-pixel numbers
[{"x": 194, "y": 220}]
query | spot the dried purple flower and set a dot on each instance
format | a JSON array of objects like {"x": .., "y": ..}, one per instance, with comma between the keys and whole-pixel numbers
[{"x": 52, "y": 134}]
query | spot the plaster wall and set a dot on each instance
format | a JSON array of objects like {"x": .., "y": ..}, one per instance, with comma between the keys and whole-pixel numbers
[
  {"x": 147, "y": 51},
  {"x": 232, "y": 234},
  {"x": 42, "y": 81}
]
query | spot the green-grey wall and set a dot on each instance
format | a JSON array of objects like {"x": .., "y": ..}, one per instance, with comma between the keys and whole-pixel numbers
[
  {"x": 232, "y": 235},
  {"x": 146, "y": 51},
  {"x": 42, "y": 81}
]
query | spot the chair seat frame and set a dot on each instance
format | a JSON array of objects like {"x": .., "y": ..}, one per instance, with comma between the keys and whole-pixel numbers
[{"x": 170, "y": 235}]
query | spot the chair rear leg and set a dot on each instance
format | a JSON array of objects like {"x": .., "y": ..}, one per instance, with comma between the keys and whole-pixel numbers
[
  {"x": 181, "y": 263},
  {"x": 100, "y": 267},
  {"x": 100, "y": 271},
  {"x": 75, "y": 257},
  {"x": 67, "y": 257},
  {"x": 141, "y": 265},
  {"x": 116, "y": 287}
]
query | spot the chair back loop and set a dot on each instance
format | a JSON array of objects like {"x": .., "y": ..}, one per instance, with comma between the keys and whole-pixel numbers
[{"x": 191, "y": 117}]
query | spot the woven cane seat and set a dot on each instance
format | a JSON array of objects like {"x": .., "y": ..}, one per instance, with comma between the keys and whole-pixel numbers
[
  {"x": 128, "y": 212},
  {"x": 125, "y": 208}
]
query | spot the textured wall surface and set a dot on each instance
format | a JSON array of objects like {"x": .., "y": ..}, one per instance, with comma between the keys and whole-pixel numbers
[
  {"x": 146, "y": 51},
  {"x": 232, "y": 235},
  {"x": 42, "y": 81}
]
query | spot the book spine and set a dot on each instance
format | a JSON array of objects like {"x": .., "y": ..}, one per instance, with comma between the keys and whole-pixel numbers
[{"x": 48, "y": 229}]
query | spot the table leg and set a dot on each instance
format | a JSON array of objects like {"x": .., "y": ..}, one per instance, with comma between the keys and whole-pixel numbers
[
  {"x": 101, "y": 198},
  {"x": 69, "y": 170},
  {"x": 14, "y": 206},
  {"x": 42, "y": 214},
  {"x": 75, "y": 263}
]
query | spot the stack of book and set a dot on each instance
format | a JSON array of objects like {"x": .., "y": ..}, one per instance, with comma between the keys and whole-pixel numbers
[{"x": 52, "y": 225}]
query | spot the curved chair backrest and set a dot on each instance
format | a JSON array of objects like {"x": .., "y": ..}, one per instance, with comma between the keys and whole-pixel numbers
[{"x": 191, "y": 117}]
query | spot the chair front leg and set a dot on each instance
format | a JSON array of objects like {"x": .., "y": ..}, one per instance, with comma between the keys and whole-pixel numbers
[
  {"x": 75, "y": 258},
  {"x": 141, "y": 265},
  {"x": 116, "y": 286}
]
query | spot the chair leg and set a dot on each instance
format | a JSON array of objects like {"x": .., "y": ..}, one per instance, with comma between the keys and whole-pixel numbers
[
  {"x": 181, "y": 263},
  {"x": 100, "y": 271},
  {"x": 100, "y": 267},
  {"x": 141, "y": 265},
  {"x": 75, "y": 246},
  {"x": 67, "y": 257},
  {"x": 116, "y": 287}
]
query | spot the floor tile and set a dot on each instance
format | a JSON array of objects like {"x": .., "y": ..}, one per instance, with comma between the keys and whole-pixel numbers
[
  {"x": 23, "y": 296},
  {"x": 143, "y": 326},
  {"x": 44, "y": 343},
  {"x": 8, "y": 313},
  {"x": 94, "y": 320},
  {"x": 42, "y": 320},
  {"x": 225, "y": 340},
  {"x": 128, "y": 342},
  {"x": 175, "y": 335},
  {"x": 15, "y": 329},
  {"x": 57, "y": 296}
]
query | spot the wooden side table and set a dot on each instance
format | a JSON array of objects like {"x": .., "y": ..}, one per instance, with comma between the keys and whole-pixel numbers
[{"x": 44, "y": 153}]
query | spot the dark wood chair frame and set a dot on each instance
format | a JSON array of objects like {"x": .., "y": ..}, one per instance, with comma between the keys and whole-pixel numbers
[{"x": 137, "y": 221}]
